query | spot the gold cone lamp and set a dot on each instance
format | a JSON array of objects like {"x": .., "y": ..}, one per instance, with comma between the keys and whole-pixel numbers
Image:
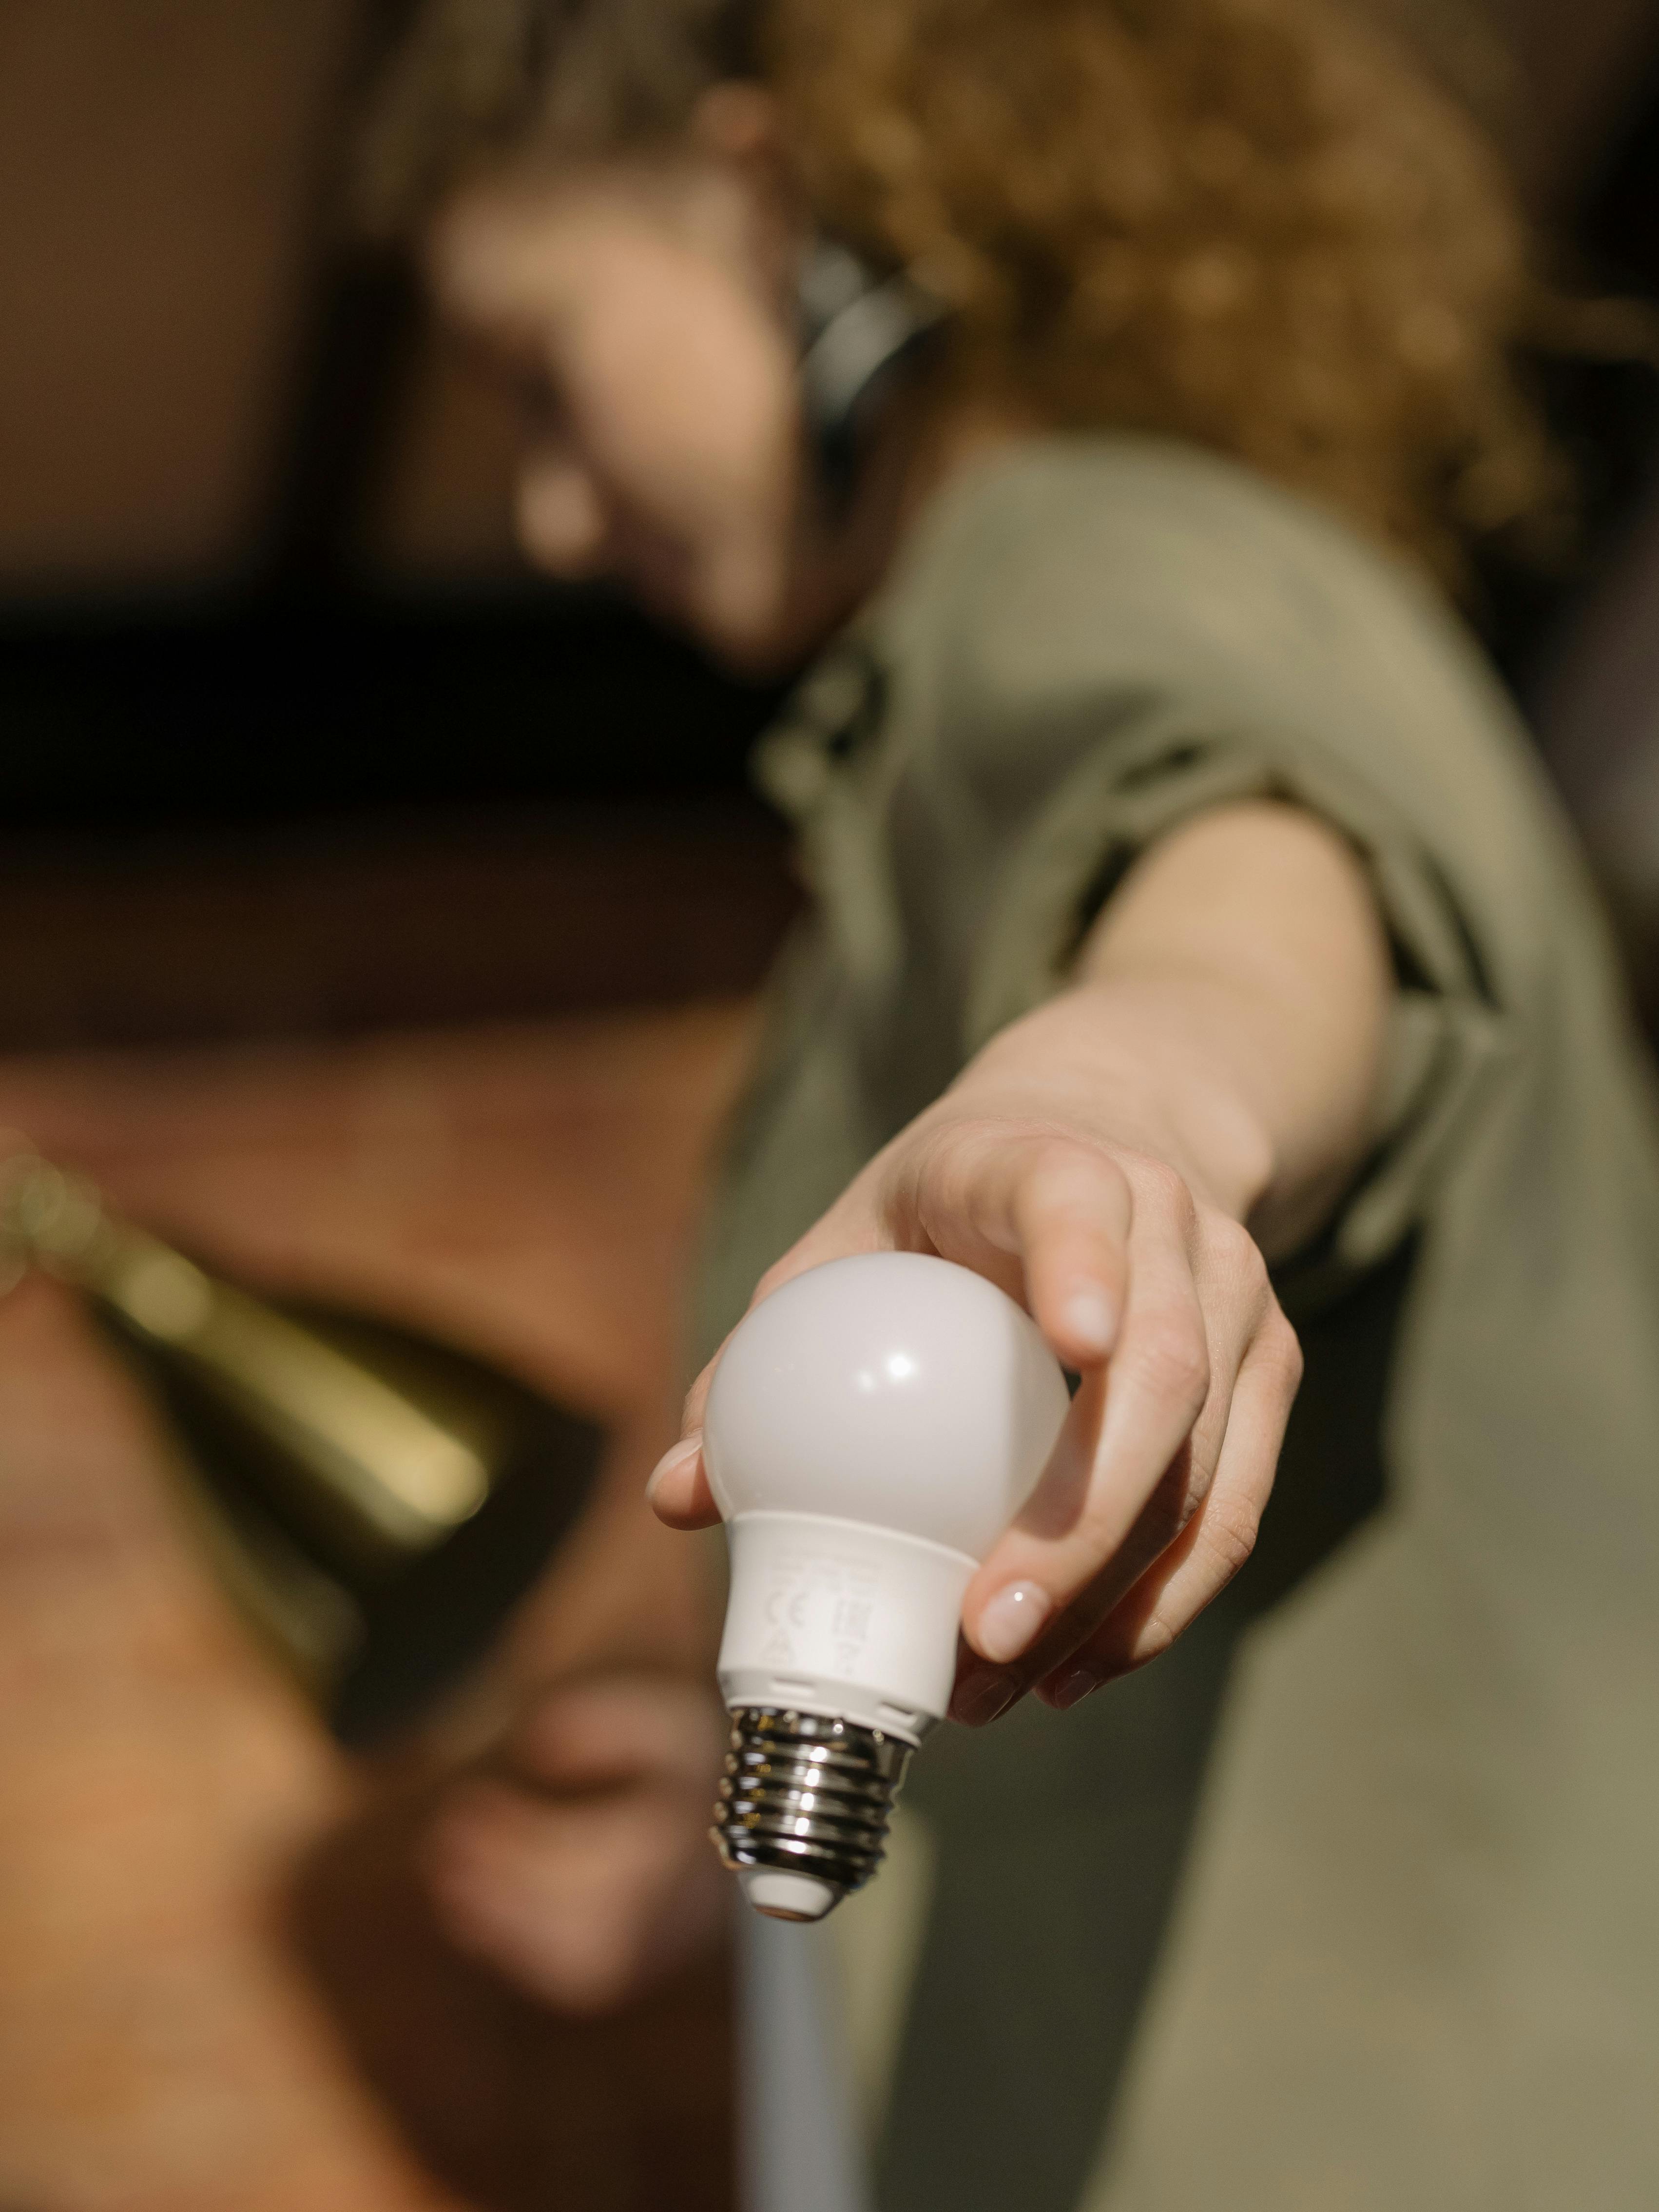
[{"x": 374, "y": 1501}]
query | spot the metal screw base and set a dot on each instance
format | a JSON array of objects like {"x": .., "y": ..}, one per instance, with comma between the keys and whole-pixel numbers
[{"x": 806, "y": 1794}]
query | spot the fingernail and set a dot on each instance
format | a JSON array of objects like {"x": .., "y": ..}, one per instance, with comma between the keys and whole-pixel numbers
[
  {"x": 1075, "y": 1682},
  {"x": 981, "y": 1698},
  {"x": 677, "y": 1456},
  {"x": 1089, "y": 1320},
  {"x": 1008, "y": 1622}
]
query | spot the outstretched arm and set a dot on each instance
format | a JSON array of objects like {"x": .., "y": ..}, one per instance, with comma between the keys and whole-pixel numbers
[{"x": 1121, "y": 1160}]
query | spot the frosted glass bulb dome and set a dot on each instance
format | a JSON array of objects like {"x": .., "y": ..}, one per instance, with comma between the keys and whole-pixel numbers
[{"x": 871, "y": 1429}]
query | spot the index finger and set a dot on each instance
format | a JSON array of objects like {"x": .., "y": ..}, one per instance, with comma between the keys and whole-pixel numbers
[
  {"x": 1131, "y": 1463},
  {"x": 990, "y": 1193}
]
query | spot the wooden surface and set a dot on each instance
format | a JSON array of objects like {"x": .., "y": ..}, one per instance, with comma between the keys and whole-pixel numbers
[{"x": 220, "y": 1990}]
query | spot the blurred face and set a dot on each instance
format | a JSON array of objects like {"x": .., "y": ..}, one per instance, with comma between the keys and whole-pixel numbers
[{"x": 647, "y": 315}]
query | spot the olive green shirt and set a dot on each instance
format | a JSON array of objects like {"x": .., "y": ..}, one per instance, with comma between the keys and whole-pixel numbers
[{"x": 1411, "y": 1957}]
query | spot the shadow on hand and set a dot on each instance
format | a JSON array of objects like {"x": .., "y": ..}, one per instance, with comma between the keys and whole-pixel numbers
[{"x": 506, "y": 2103}]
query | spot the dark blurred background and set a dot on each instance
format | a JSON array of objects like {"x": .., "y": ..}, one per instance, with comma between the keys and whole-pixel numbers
[
  {"x": 259, "y": 608},
  {"x": 265, "y": 646}
]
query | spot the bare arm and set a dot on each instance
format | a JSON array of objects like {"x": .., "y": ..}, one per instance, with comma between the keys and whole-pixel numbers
[
  {"x": 1253, "y": 930},
  {"x": 1120, "y": 1159}
]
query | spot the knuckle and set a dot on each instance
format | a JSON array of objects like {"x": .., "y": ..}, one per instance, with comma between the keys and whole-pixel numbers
[
  {"x": 1176, "y": 1361},
  {"x": 1166, "y": 1190},
  {"x": 1058, "y": 1152},
  {"x": 1049, "y": 1171},
  {"x": 1284, "y": 1350},
  {"x": 1231, "y": 1527},
  {"x": 939, "y": 1175},
  {"x": 1073, "y": 1181},
  {"x": 1239, "y": 1256}
]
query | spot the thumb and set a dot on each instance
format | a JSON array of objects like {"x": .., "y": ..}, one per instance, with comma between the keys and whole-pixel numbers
[{"x": 678, "y": 1490}]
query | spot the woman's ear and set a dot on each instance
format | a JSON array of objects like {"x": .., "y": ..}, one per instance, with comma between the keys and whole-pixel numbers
[
  {"x": 740, "y": 125},
  {"x": 739, "y": 121}
]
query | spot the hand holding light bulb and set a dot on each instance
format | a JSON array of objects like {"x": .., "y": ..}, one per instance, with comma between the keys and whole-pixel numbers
[{"x": 1053, "y": 1167}]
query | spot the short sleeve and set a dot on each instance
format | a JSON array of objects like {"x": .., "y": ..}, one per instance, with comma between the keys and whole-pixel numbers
[{"x": 1448, "y": 1036}]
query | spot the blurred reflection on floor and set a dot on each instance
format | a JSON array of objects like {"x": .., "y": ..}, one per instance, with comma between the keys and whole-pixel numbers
[{"x": 528, "y": 1191}]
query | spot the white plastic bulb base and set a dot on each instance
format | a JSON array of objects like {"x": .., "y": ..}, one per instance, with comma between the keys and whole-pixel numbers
[
  {"x": 872, "y": 1428},
  {"x": 835, "y": 1617}
]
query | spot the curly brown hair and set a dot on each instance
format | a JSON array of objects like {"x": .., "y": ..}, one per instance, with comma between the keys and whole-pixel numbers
[{"x": 1247, "y": 222}]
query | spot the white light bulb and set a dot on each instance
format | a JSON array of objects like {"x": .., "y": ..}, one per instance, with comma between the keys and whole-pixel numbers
[{"x": 872, "y": 1428}]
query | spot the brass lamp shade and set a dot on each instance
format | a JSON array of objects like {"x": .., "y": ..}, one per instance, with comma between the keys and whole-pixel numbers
[{"x": 374, "y": 1501}]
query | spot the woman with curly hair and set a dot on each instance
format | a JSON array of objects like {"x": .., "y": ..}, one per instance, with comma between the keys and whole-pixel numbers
[{"x": 1106, "y": 393}]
